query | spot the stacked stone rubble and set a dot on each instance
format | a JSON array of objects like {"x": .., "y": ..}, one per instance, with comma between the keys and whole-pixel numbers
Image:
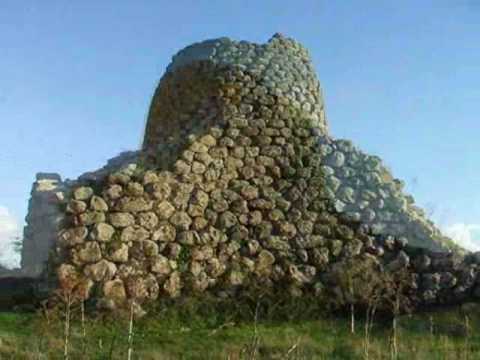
[
  {"x": 239, "y": 187},
  {"x": 228, "y": 216},
  {"x": 438, "y": 277}
]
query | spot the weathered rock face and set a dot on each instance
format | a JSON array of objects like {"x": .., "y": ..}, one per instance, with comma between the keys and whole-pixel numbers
[{"x": 240, "y": 187}]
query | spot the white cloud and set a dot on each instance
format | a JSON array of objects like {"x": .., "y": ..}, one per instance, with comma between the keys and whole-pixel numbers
[
  {"x": 9, "y": 230},
  {"x": 465, "y": 235}
]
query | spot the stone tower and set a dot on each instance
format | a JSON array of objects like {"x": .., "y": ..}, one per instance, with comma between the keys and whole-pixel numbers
[
  {"x": 210, "y": 82},
  {"x": 239, "y": 186}
]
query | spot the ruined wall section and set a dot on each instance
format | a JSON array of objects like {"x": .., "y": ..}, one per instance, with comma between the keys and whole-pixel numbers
[
  {"x": 44, "y": 220},
  {"x": 46, "y": 213},
  {"x": 236, "y": 212},
  {"x": 210, "y": 82},
  {"x": 239, "y": 187},
  {"x": 231, "y": 219}
]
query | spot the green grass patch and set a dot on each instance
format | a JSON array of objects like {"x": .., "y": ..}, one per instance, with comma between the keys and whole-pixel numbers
[{"x": 196, "y": 330}]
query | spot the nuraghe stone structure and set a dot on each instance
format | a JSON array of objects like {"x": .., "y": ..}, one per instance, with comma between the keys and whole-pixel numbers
[{"x": 238, "y": 184}]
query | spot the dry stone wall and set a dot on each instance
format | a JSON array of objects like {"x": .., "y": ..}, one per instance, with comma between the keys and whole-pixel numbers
[
  {"x": 240, "y": 188},
  {"x": 46, "y": 217}
]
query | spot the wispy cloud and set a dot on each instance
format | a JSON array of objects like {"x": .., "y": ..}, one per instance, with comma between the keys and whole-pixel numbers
[
  {"x": 9, "y": 230},
  {"x": 465, "y": 235}
]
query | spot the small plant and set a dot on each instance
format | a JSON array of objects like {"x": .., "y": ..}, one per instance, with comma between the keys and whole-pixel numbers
[
  {"x": 252, "y": 348},
  {"x": 183, "y": 259}
]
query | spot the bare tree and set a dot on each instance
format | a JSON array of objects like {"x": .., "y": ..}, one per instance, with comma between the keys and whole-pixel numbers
[
  {"x": 372, "y": 300},
  {"x": 397, "y": 298},
  {"x": 72, "y": 290},
  {"x": 356, "y": 281}
]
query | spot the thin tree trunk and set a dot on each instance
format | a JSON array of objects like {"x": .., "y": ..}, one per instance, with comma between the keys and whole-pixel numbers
[
  {"x": 394, "y": 337},
  {"x": 467, "y": 336},
  {"x": 352, "y": 318},
  {"x": 67, "y": 327},
  {"x": 467, "y": 326},
  {"x": 430, "y": 319},
  {"x": 372, "y": 316},
  {"x": 84, "y": 330},
  {"x": 130, "y": 334},
  {"x": 371, "y": 310},
  {"x": 367, "y": 340},
  {"x": 255, "y": 342}
]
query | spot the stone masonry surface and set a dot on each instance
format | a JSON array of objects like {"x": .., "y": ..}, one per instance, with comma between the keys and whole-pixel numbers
[{"x": 238, "y": 186}]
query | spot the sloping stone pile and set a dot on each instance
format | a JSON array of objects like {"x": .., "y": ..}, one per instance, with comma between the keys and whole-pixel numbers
[{"x": 364, "y": 190}]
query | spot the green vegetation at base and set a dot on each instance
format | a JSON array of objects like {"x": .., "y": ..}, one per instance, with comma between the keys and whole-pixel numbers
[{"x": 194, "y": 330}]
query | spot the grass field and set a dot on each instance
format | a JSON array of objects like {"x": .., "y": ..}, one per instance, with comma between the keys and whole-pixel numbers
[{"x": 195, "y": 330}]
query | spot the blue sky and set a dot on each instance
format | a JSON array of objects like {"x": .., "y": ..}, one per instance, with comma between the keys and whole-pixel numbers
[{"x": 401, "y": 79}]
